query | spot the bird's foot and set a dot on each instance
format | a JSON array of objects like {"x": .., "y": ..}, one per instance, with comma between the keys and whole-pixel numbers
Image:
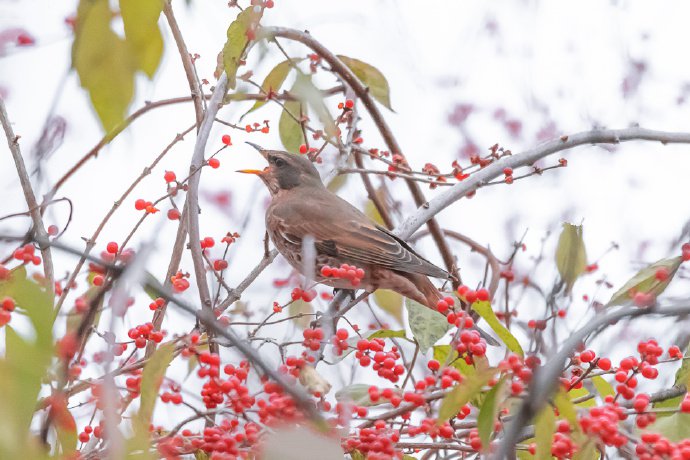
[{"x": 350, "y": 292}]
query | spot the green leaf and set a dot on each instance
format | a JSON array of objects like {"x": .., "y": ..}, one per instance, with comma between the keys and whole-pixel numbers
[
  {"x": 461, "y": 394},
  {"x": 274, "y": 80},
  {"x": 391, "y": 302},
  {"x": 372, "y": 78},
  {"x": 67, "y": 433},
  {"x": 675, "y": 427},
  {"x": 140, "y": 18},
  {"x": 441, "y": 353},
  {"x": 426, "y": 324},
  {"x": 151, "y": 379},
  {"x": 289, "y": 129},
  {"x": 603, "y": 387},
  {"x": 298, "y": 307},
  {"x": 544, "y": 428},
  {"x": 24, "y": 365},
  {"x": 358, "y": 394},
  {"x": 566, "y": 408},
  {"x": 387, "y": 333},
  {"x": 571, "y": 256},
  {"x": 200, "y": 455},
  {"x": 486, "y": 312},
  {"x": 645, "y": 281},
  {"x": 488, "y": 412},
  {"x": 236, "y": 45},
  {"x": 372, "y": 213},
  {"x": 103, "y": 62},
  {"x": 577, "y": 393}
]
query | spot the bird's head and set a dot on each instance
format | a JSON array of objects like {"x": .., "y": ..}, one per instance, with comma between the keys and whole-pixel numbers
[{"x": 285, "y": 171}]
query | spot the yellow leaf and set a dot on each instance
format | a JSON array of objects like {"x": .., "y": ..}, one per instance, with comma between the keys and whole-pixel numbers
[
  {"x": 236, "y": 45},
  {"x": 103, "y": 62},
  {"x": 571, "y": 257},
  {"x": 391, "y": 302},
  {"x": 140, "y": 18},
  {"x": 372, "y": 78}
]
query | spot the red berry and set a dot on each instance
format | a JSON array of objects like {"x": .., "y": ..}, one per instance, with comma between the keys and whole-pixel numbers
[
  {"x": 434, "y": 365},
  {"x": 303, "y": 149},
  {"x": 471, "y": 296},
  {"x": 442, "y": 306},
  {"x": 661, "y": 274},
  {"x": 8, "y": 304},
  {"x": 169, "y": 176},
  {"x": 226, "y": 139},
  {"x": 342, "y": 334},
  {"x": 349, "y": 103},
  {"x": 98, "y": 280},
  {"x": 482, "y": 295},
  {"x": 685, "y": 406},
  {"x": 112, "y": 247},
  {"x": 508, "y": 171},
  {"x": 140, "y": 204},
  {"x": 173, "y": 214},
  {"x": 214, "y": 163},
  {"x": 604, "y": 364}
]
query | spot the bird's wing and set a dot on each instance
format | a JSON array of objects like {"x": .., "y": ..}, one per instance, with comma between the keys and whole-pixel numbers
[{"x": 341, "y": 230}]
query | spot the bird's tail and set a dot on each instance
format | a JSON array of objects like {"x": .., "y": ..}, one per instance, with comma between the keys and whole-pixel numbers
[{"x": 431, "y": 294}]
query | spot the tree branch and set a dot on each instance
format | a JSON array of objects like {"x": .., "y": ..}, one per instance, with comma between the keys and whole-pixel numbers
[
  {"x": 479, "y": 178},
  {"x": 34, "y": 208},
  {"x": 193, "y": 198},
  {"x": 194, "y": 86}
]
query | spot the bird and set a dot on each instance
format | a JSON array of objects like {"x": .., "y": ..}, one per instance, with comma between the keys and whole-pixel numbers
[{"x": 302, "y": 207}]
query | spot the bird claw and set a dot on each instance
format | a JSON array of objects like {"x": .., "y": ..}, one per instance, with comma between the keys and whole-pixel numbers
[{"x": 350, "y": 292}]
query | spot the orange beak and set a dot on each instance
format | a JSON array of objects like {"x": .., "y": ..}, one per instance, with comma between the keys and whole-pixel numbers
[{"x": 258, "y": 172}]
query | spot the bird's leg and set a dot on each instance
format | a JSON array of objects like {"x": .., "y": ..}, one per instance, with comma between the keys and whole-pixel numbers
[
  {"x": 350, "y": 292},
  {"x": 266, "y": 244}
]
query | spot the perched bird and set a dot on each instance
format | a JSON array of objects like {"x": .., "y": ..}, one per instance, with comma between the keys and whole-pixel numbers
[{"x": 302, "y": 206}]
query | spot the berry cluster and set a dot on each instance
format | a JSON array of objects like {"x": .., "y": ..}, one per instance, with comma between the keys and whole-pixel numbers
[
  {"x": 180, "y": 282},
  {"x": 339, "y": 341},
  {"x": 27, "y": 254},
  {"x": 312, "y": 338},
  {"x": 347, "y": 272},
  {"x": 376, "y": 443},
  {"x": 384, "y": 361},
  {"x": 143, "y": 333},
  {"x": 143, "y": 205},
  {"x": 299, "y": 293},
  {"x": 430, "y": 427}
]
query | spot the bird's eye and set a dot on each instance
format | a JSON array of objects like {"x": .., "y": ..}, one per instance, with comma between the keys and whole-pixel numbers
[{"x": 279, "y": 162}]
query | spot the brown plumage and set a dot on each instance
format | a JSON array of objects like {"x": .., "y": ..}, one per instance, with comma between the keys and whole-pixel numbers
[{"x": 302, "y": 206}]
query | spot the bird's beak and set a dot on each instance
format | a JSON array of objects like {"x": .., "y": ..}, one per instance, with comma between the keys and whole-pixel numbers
[
  {"x": 258, "y": 172},
  {"x": 260, "y": 149}
]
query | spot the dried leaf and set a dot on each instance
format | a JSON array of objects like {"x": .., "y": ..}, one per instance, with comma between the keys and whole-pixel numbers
[{"x": 313, "y": 381}]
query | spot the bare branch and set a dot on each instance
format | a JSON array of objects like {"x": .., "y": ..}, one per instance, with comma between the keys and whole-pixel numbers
[
  {"x": 34, "y": 209},
  {"x": 193, "y": 197},
  {"x": 481, "y": 177}
]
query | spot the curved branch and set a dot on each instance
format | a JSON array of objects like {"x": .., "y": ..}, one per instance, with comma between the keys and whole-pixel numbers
[
  {"x": 546, "y": 378},
  {"x": 481, "y": 177},
  {"x": 34, "y": 208},
  {"x": 194, "y": 86}
]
